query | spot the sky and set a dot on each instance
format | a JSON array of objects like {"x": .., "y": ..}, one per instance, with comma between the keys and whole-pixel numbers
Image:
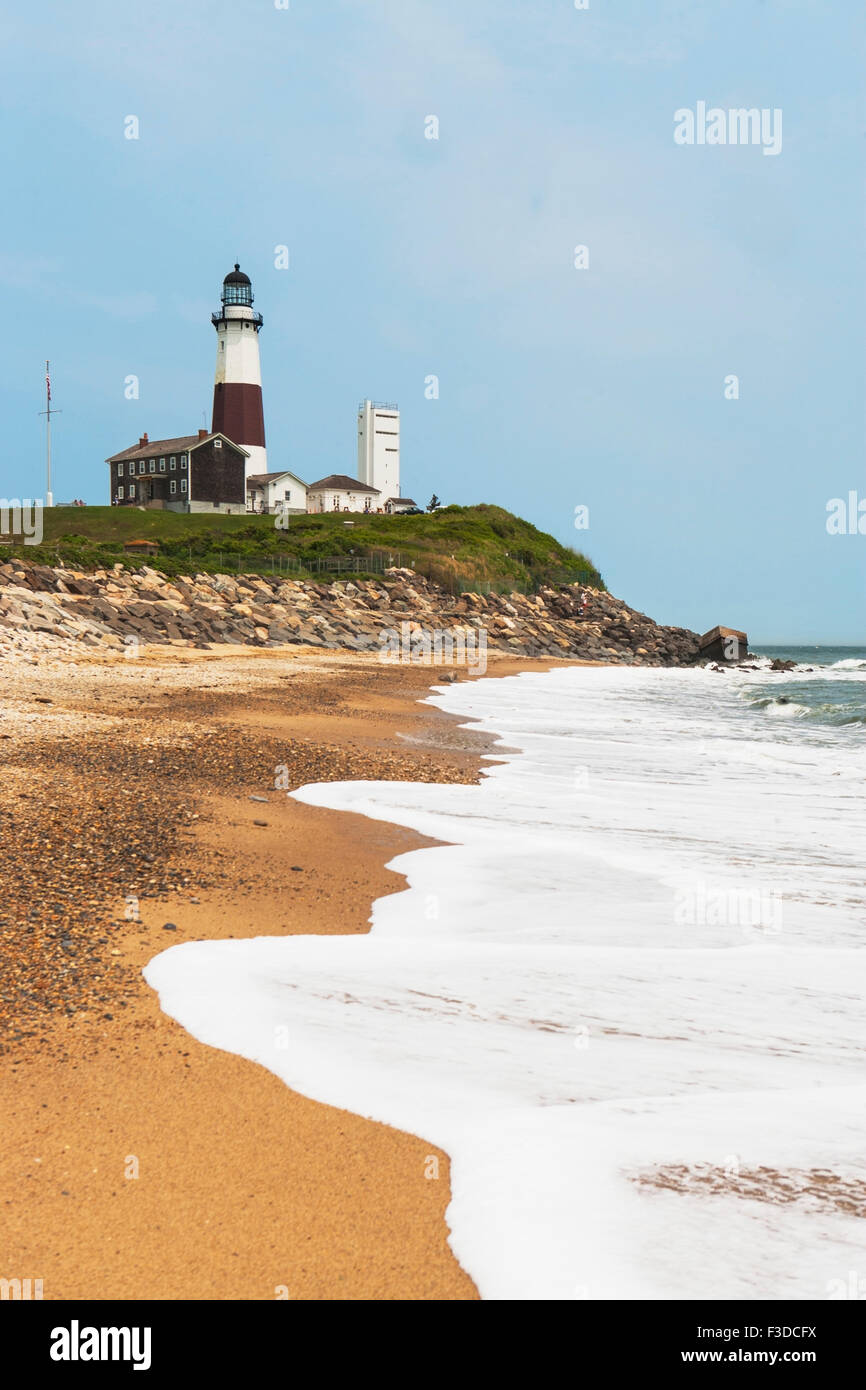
[{"x": 603, "y": 386}]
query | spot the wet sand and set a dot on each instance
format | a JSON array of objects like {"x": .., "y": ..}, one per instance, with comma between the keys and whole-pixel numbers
[{"x": 137, "y": 1163}]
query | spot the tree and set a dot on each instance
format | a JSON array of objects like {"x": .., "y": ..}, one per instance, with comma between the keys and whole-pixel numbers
[{"x": 434, "y": 503}]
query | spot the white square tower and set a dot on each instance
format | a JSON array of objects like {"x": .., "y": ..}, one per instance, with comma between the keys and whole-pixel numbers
[{"x": 379, "y": 448}]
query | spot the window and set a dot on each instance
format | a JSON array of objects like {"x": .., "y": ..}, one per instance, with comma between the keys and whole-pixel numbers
[
  {"x": 217, "y": 443},
  {"x": 183, "y": 484},
  {"x": 162, "y": 465},
  {"x": 183, "y": 460},
  {"x": 172, "y": 463},
  {"x": 173, "y": 485},
  {"x": 132, "y": 468},
  {"x": 287, "y": 495},
  {"x": 120, "y": 492},
  {"x": 152, "y": 465},
  {"x": 237, "y": 294},
  {"x": 141, "y": 465}
]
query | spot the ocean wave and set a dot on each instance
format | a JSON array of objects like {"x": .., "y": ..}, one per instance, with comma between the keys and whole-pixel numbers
[
  {"x": 838, "y": 714},
  {"x": 574, "y": 988},
  {"x": 783, "y": 707}
]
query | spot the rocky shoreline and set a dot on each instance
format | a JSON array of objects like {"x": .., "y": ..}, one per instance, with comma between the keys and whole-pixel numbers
[{"x": 57, "y": 609}]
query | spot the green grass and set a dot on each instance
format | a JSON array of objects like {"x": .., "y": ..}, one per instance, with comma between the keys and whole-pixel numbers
[{"x": 459, "y": 547}]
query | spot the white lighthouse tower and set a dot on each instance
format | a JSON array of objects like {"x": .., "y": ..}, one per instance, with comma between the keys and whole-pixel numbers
[
  {"x": 379, "y": 448},
  {"x": 237, "y": 392}
]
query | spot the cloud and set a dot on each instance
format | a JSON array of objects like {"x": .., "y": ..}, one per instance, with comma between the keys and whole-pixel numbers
[
  {"x": 132, "y": 305},
  {"x": 28, "y": 272}
]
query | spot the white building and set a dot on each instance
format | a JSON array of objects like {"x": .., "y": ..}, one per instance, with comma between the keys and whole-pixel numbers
[
  {"x": 377, "y": 486},
  {"x": 379, "y": 448},
  {"x": 338, "y": 493},
  {"x": 276, "y": 492}
]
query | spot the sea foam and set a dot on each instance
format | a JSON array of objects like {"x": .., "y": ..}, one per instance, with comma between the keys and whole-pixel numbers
[{"x": 646, "y": 1090}]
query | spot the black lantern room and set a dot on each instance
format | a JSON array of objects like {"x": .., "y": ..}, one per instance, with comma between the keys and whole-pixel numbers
[{"x": 237, "y": 288}]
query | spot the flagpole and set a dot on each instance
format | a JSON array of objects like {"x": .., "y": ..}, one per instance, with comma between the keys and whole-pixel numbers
[
  {"x": 47, "y": 412},
  {"x": 49, "y": 500}
]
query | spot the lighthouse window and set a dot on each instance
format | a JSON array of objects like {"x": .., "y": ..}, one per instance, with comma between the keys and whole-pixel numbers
[{"x": 237, "y": 294}]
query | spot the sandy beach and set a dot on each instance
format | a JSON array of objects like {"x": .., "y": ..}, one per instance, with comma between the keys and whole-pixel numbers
[{"x": 139, "y": 810}]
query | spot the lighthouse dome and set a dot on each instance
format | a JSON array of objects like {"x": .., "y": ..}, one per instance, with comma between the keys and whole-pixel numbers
[{"x": 237, "y": 288}]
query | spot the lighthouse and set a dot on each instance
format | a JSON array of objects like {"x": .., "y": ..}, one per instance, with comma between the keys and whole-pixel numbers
[{"x": 237, "y": 392}]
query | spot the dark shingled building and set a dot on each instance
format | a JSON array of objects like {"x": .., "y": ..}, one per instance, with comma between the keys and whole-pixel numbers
[{"x": 193, "y": 473}]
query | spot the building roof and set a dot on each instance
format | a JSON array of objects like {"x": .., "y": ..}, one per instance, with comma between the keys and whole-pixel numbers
[
  {"x": 338, "y": 482},
  {"x": 184, "y": 444},
  {"x": 156, "y": 446},
  {"x": 407, "y": 501},
  {"x": 236, "y": 277},
  {"x": 262, "y": 479}
]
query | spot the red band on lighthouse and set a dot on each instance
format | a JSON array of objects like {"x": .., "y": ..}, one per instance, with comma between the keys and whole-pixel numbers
[{"x": 238, "y": 413}]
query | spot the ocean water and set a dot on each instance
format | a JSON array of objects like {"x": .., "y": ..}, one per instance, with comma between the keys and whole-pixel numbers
[
  {"x": 827, "y": 686},
  {"x": 625, "y": 995}
]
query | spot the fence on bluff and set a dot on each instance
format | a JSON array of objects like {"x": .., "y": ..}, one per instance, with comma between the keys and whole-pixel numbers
[{"x": 376, "y": 562}]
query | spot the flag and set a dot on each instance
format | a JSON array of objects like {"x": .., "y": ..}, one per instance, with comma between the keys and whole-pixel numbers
[{"x": 47, "y": 382}]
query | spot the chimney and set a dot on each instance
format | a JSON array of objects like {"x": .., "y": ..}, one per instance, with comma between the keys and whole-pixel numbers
[
  {"x": 142, "y": 441},
  {"x": 203, "y": 434}
]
